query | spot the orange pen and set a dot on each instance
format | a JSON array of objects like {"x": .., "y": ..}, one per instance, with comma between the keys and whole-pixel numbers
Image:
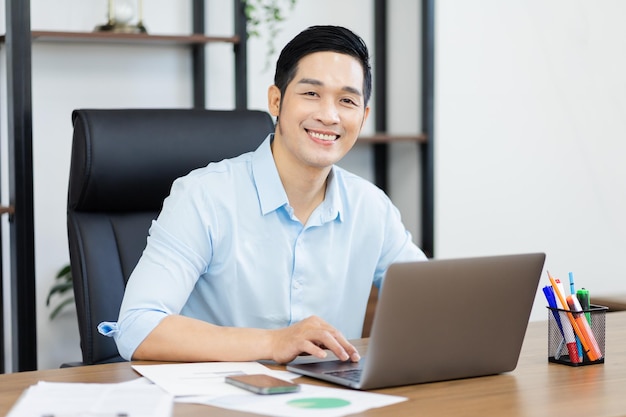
[{"x": 583, "y": 325}]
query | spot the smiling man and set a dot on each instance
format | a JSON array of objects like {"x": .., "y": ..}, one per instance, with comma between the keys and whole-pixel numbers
[{"x": 273, "y": 253}]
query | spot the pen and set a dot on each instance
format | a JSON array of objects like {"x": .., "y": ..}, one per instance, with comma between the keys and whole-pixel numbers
[
  {"x": 549, "y": 293},
  {"x": 572, "y": 291},
  {"x": 583, "y": 297},
  {"x": 568, "y": 331},
  {"x": 585, "y": 329}
]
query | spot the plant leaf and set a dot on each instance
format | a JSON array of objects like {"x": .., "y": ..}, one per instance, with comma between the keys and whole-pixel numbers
[
  {"x": 60, "y": 288},
  {"x": 65, "y": 273},
  {"x": 60, "y": 307}
]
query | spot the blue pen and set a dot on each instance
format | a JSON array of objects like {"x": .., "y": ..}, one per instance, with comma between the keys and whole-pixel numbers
[
  {"x": 572, "y": 288},
  {"x": 549, "y": 293}
]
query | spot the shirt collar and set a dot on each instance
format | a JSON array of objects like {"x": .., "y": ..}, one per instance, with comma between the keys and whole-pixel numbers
[
  {"x": 269, "y": 187},
  {"x": 332, "y": 206},
  {"x": 272, "y": 193}
]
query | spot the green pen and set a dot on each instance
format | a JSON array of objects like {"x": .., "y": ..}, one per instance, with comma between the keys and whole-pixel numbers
[{"x": 583, "y": 297}]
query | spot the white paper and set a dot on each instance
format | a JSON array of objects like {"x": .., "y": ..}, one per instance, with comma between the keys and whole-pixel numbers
[
  {"x": 136, "y": 398},
  {"x": 203, "y": 383},
  {"x": 312, "y": 400},
  {"x": 203, "y": 378}
]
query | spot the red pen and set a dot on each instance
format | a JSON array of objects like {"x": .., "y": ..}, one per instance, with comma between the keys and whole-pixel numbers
[{"x": 594, "y": 352}]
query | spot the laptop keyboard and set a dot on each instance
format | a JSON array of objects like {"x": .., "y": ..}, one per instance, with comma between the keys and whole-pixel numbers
[{"x": 350, "y": 374}]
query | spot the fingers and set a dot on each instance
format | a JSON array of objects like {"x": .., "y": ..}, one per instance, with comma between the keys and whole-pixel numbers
[
  {"x": 334, "y": 341},
  {"x": 313, "y": 349},
  {"x": 312, "y": 336}
]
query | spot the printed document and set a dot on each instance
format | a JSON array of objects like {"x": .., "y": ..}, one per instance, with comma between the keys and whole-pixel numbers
[
  {"x": 203, "y": 383},
  {"x": 137, "y": 398}
]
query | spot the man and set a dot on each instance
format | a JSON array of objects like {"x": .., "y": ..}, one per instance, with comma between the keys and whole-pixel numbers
[{"x": 273, "y": 253}]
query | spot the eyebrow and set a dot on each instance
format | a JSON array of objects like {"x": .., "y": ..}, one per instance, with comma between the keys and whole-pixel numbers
[{"x": 313, "y": 81}]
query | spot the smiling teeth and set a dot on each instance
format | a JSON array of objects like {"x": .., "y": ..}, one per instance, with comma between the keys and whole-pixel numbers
[{"x": 323, "y": 136}]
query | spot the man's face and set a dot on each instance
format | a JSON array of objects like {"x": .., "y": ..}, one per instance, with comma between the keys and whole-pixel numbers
[{"x": 322, "y": 111}]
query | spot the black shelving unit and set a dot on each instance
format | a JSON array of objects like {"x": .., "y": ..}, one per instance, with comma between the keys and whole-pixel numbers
[
  {"x": 21, "y": 227},
  {"x": 426, "y": 138},
  {"x": 427, "y": 154}
]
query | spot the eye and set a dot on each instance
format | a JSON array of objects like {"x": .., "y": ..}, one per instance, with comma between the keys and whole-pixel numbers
[
  {"x": 310, "y": 93},
  {"x": 349, "y": 101}
]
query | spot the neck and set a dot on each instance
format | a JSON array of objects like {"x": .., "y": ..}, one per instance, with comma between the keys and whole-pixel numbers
[
  {"x": 304, "y": 197},
  {"x": 305, "y": 186}
]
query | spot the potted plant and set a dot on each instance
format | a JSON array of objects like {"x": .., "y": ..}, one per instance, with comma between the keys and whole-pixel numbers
[{"x": 63, "y": 285}]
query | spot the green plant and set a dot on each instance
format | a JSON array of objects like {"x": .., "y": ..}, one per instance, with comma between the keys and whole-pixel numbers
[
  {"x": 63, "y": 284},
  {"x": 268, "y": 13}
]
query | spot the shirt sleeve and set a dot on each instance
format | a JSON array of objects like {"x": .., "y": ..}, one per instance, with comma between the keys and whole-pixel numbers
[
  {"x": 178, "y": 252},
  {"x": 398, "y": 244}
]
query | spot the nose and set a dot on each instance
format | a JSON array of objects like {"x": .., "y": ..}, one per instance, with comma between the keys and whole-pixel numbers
[{"x": 328, "y": 113}]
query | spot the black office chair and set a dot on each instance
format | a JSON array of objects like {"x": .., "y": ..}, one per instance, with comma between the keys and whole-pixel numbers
[{"x": 122, "y": 166}]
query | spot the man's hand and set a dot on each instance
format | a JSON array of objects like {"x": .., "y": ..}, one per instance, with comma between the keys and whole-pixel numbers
[{"x": 311, "y": 335}]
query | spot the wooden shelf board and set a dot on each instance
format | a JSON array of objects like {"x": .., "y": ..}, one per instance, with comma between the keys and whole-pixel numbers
[
  {"x": 126, "y": 38},
  {"x": 390, "y": 138}
]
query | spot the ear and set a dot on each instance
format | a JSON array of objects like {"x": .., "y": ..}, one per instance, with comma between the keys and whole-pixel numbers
[
  {"x": 273, "y": 100},
  {"x": 366, "y": 113}
]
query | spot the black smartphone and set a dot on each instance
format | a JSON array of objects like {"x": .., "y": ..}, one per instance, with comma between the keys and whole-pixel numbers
[{"x": 262, "y": 384}]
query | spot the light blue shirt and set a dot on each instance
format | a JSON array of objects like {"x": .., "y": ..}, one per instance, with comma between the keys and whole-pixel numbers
[{"x": 228, "y": 249}]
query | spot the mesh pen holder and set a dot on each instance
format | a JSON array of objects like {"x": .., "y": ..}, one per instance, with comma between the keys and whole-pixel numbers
[{"x": 564, "y": 344}]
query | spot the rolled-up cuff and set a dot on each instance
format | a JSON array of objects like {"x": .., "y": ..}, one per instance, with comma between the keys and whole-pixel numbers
[{"x": 130, "y": 332}]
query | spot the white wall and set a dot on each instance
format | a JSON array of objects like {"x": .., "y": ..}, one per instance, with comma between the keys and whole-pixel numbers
[
  {"x": 68, "y": 76},
  {"x": 531, "y": 135}
]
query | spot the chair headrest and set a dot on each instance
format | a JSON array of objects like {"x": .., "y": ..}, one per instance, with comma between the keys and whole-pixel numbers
[{"x": 127, "y": 159}]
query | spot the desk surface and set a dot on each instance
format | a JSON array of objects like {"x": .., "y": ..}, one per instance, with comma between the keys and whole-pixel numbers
[{"x": 534, "y": 388}]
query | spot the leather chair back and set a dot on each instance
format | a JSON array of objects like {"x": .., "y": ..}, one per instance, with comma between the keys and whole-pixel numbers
[{"x": 123, "y": 164}]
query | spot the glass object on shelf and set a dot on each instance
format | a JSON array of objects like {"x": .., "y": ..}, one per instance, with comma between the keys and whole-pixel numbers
[{"x": 123, "y": 16}]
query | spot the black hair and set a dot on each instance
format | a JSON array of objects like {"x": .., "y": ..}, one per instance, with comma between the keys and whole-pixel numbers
[{"x": 322, "y": 39}]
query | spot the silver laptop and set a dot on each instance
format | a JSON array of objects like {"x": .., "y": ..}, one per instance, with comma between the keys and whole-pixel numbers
[{"x": 442, "y": 320}]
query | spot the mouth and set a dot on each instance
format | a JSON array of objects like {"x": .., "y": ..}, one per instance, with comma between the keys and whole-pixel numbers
[{"x": 326, "y": 137}]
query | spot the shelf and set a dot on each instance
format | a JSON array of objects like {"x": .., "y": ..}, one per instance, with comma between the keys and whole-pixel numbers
[
  {"x": 126, "y": 38},
  {"x": 390, "y": 138}
]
